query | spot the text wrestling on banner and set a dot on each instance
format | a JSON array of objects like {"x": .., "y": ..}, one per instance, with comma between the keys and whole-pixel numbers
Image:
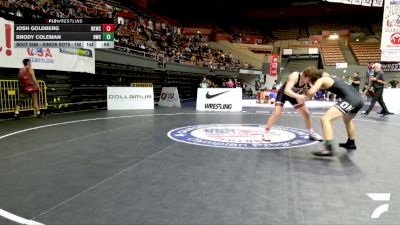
[
  {"x": 219, "y": 99},
  {"x": 169, "y": 97},
  {"x": 74, "y": 60}
]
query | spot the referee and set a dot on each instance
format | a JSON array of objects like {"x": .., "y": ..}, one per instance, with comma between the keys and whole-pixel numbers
[{"x": 378, "y": 83}]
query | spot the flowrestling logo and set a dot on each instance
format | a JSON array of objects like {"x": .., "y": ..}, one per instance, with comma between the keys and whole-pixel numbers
[
  {"x": 382, "y": 197},
  {"x": 240, "y": 136}
]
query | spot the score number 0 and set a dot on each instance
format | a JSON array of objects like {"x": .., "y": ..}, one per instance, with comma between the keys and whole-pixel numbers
[
  {"x": 108, "y": 30},
  {"x": 108, "y": 27}
]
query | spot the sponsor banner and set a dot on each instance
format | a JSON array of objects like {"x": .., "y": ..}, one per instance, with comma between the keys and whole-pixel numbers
[
  {"x": 375, "y": 3},
  {"x": 73, "y": 60},
  {"x": 273, "y": 66},
  {"x": 391, "y": 25},
  {"x": 313, "y": 51},
  {"x": 388, "y": 55},
  {"x": 378, "y": 3},
  {"x": 390, "y": 66},
  {"x": 119, "y": 98},
  {"x": 391, "y": 98},
  {"x": 169, "y": 97},
  {"x": 241, "y": 136},
  {"x": 287, "y": 51},
  {"x": 253, "y": 72},
  {"x": 341, "y": 65},
  {"x": 219, "y": 99},
  {"x": 339, "y": 1},
  {"x": 366, "y": 2}
]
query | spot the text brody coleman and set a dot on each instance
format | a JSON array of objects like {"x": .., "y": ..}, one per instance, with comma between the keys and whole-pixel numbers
[{"x": 38, "y": 37}]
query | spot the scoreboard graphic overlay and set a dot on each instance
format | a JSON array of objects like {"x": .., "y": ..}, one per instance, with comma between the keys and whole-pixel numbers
[{"x": 64, "y": 33}]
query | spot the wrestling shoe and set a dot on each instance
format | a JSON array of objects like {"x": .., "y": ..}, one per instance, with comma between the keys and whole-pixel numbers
[
  {"x": 266, "y": 136},
  {"x": 40, "y": 115},
  {"x": 387, "y": 114},
  {"x": 364, "y": 113},
  {"x": 316, "y": 137},
  {"x": 326, "y": 151},
  {"x": 348, "y": 146}
]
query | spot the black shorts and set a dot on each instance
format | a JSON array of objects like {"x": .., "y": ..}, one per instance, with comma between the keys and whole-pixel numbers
[
  {"x": 282, "y": 98},
  {"x": 350, "y": 105},
  {"x": 23, "y": 96}
]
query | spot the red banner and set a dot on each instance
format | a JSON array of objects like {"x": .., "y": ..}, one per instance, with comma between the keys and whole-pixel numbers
[{"x": 273, "y": 66}]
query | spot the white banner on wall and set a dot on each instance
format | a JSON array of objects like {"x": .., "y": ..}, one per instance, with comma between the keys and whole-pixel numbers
[
  {"x": 390, "y": 55},
  {"x": 254, "y": 72},
  {"x": 287, "y": 51},
  {"x": 169, "y": 97},
  {"x": 121, "y": 98},
  {"x": 366, "y": 2},
  {"x": 219, "y": 99},
  {"x": 63, "y": 59},
  {"x": 341, "y": 65},
  {"x": 391, "y": 98},
  {"x": 391, "y": 25},
  {"x": 339, "y": 1},
  {"x": 313, "y": 51},
  {"x": 377, "y": 3}
]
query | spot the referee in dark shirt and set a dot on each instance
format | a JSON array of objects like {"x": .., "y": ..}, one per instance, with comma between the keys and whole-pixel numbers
[
  {"x": 356, "y": 81},
  {"x": 378, "y": 83}
]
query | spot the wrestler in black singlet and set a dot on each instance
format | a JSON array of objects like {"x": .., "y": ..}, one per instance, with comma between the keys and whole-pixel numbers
[
  {"x": 282, "y": 97},
  {"x": 351, "y": 101}
]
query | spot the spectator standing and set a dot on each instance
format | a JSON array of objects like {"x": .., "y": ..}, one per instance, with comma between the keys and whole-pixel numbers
[
  {"x": 356, "y": 81},
  {"x": 248, "y": 91},
  {"x": 237, "y": 83},
  {"x": 276, "y": 85},
  {"x": 394, "y": 83},
  {"x": 204, "y": 83},
  {"x": 230, "y": 84},
  {"x": 378, "y": 83}
]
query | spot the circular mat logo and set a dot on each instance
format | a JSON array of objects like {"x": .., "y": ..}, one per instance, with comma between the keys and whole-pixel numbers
[{"x": 240, "y": 136}]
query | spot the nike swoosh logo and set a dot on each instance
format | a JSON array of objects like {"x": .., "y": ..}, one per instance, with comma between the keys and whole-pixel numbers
[{"x": 208, "y": 96}]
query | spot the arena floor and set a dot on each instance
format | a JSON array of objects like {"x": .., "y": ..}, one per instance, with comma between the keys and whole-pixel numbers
[{"x": 121, "y": 167}]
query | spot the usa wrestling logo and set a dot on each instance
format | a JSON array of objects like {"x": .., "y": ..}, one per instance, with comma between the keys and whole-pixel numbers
[{"x": 240, "y": 136}]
